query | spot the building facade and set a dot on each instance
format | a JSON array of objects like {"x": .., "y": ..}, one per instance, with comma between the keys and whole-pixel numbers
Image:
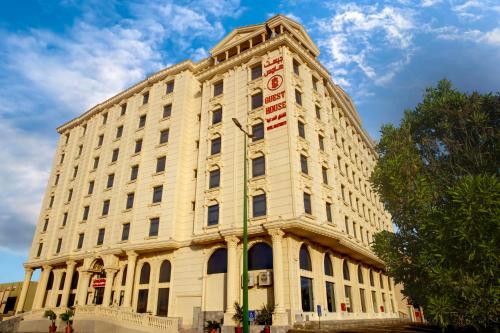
[
  {"x": 9, "y": 297},
  {"x": 143, "y": 210}
]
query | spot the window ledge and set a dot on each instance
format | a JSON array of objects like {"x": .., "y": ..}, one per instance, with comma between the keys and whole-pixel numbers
[
  {"x": 93, "y": 170},
  {"x": 345, "y": 203},
  {"x": 103, "y": 216},
  {"x": 150, "y": 237},
  {"x": 97, "y": 246},
  {"x": 259, "y": 177},
  {"x": 123, "y": 241},
  {"x": 126, "y": 210},
  {"x": 140, "y": 128},
  {"x": 159, "y": 173},
  {"x": 135, "y": 154},
  {"x": 117, "y": 139},
  {"x": 165, "y": 118},
  {"x": 258, "y": 218},
  {"x": 154, "y": 204},
  {"x": 161, "y": 145},
  {"x": 97, "y": 148},
  {"x": 305, "y": 175},
  {"x": 108, "y": 189},
  {"x": 112, "y": 163},
  {"x": 132, "y": 181},
  {"x": 82, "y": 221}
]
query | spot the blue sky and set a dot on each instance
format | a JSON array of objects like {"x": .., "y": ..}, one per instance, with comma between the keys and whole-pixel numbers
[{"x": 58, "y": 58}]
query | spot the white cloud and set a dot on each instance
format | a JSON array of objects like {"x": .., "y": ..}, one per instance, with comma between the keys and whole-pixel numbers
[{"x": 430, "y": 3}]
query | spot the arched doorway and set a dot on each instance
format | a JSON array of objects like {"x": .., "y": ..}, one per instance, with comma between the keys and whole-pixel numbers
[
  {"x": 97, "y": 282},
  {"x": 164, "y": 288},
  {"x": 216, "y": 281},
  {"x": 143, "y": 292}
]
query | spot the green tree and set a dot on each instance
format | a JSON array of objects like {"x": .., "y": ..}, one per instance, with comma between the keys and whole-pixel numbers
[{"x": 437, "y": 175}]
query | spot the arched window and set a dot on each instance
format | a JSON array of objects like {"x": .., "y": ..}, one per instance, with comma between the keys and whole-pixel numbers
[
  {"x": 74, "y": 281},
  {"x": 124, "y": 275},
  {"x": 305, "y": 259},
  {"x": 61, "y": 282},
  {"x": 360, "y": 275},
  {"x": 372, "y": 283},
  {"x": 165, "y": 270},
  {"x": 260, "y": 256},
  {"x": 345, "y": 269},
  {"x": 217, "y": 262},
  {"x": 328, "y": 265},
  {"x": 145, "y": 270},
  {"x": 50, "y": 281}
]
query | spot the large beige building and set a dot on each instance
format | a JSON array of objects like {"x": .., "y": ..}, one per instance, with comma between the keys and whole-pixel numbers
[{"x": 143, "y": 210}]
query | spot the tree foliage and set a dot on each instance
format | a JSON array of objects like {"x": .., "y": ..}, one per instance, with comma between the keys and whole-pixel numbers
[{"x": 437, "y": 175}]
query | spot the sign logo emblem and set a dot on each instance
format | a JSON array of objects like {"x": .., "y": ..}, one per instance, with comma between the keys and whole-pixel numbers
[{"x": 274, "y": 82}]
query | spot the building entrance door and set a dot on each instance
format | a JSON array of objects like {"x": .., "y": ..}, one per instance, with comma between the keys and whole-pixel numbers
[
  {"x": 142, "y": 301},
  {"x": 98, "y": 295}
]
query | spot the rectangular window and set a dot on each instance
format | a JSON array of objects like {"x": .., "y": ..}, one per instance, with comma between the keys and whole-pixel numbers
[
  {"x": 342, "y": 191},
  {"x": 167, "y": 110},
  {"x": 142, "y": 121},
  {"x": 164, "y": 136},
  {"x": 302, "y": 130},
  {"x": 216, "y": 116},
  {"x": 157, "y": 193},
  {"x": 125, "y": 231},
  {"x": 114, "y": 157},
  {"x": 119, "y": 132},
  {"x": 306, "y": 291},
  {"x": 213, "y": 215},
  {"x": 214, "y": 180},
  {"x": 298, "y": 97},
  {"x": 362, "y": 298},
  {"x": 138, "y": 146},
  {"x": 259, "y": 205},
  {"x": 348, "y": 298},
  {"x": 134, "y": 171},
  {"x": 154, "y": 225},
  {"x": 145, "y": 98},
  {"x": 80, "y": 241},
  {"x": 321, "y": 141},
  {"x": 256, "y": 101},
  {"x": 59, "y": 244},
  {"x": 75, "y": 172},
  {"x": 329, "y": 212},
  {"x": 215, "y": 146},
  {"x": 256, "y": 71},
  {"x": 91, "y": 187},
  {"x": 296, "y": 66},
  {"x": 330, "y": 296},
  {"x": 303, "y": 164},
  {"x": 65, "y": 219},
  {"x": 104, "y": 118},
  {"x": 111, "y": 179},
  {"x": 307, "y": 203},
  {"x": 56, "y": 181},
  {"x": 130, "y": 201},
  {"x": 51, "y": 201},
  {"x": 39, "y": 251},
  {"x": 62, "y": 159},
  {"x": 218, "y": 88},
  {"x": 258, "y": 132},
  {"x": 67, "y": 139},
  {"x": 170, "y": 87},
  {"x": 123, "y": 109},
  {"x": 105, "y": 207},
  {"x": 258, "y": 166},
  {"x": 45, "y": 225},
  {"x": 100, "y": 141},
  {"x": 346, "y": 224},
  {"x": 70, "y": 194},
  {"x": 315, "y": 83},
  {"x": 96, "y": 162},
  {"x": 160, "y": 164},
  {"x": 374, "y": 301},
  {"x": 100, "y": 236},
  {"x": 318, "y": 112},
  {"x": 80, "y": 149},
  {"x": 86, "y": 211},
  {"x": 324, "y": 172}
]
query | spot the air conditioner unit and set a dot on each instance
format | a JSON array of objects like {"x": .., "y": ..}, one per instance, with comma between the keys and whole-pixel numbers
[
  {"x": 265, "y": 279},
  {"x": 251, "y": 281}
]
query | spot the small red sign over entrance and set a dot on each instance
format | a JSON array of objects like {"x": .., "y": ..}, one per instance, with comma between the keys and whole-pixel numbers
[{"x": 99, "y": 283}]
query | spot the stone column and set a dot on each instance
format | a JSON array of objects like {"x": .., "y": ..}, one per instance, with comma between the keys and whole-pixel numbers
[
  {"x": 110, "y": 277},
  {"x": 28, "y": 272},
  {"x": 70, "y": 270},
  {"x": 233, "y": 278},
  {"x": 83, "y": 286},
  {"x": 279, "y": 315},
  {"x": 42, "y": 285},
  {"x": 129, "y": 285}
]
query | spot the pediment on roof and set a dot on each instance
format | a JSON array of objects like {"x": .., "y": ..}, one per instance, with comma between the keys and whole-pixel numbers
[
  {"x": 296, "y": 29},
  {"x": 237, "y": 36}
]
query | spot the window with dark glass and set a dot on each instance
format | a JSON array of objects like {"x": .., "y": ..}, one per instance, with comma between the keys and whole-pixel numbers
[
  {"x": 348, "y": 296},
  {"x": 130, "y": 201},
  {"x": 100, "y": 236},
  {"x": 91, "y": 187},
  {"x": 119, "y": 132},
  {"x": 105, "y": 207},
  {"x": 80, "y": 149},
  {"x": 381, "y": 278},
  {"x": 104, "y": 118},
  {"x": 164, "y": 136},
  {"x": 324, "y": 172},
  {"x": 303, "y": 164},
  {"x": 258, "y": 166},
  {"x": 75, "y": 171},
  {"x": 330, "y": 296},
  {"x": 160, "y": 163},
  {"x": 318, "y": 112},
  {"x": 145, "y": 272},
  {"x": 304, "y": 259},
  {"x": 346, "y": 224},
  {"x": 70, "y": 194},
  {"x": 138, "y": 146},
  {"x": 374, "y": 301},
  {"x": 296, "y": 66},
  {"x": 328, "y": 207},
  {"x": 96, "y": 162},
  {"x": 167, "y": 110},
  {"x": 157, "y": 193},
  {"x": 302, "y": 130},
  {"x": 51, "y": 202},
  {"x": 306, "y": 291},
  {"x": 142, "y": 121},
  {"x": 258, "y": 132},
  {"x": 218, "y": 88},
  {"x": 257, "y": 100},
  {"x": 80, "y": 241},
  {"x": 256, "y": 71},
  {"x": 217, "y": 263},
  {"x": 315, "y": 83},
  {"x": 39, "y": 251},
  {"x": 114, "y": 157},
  {"x": 125, "y": 231},
  {"x": 134, "y": 171},
  {"x": 123, "y": 109},
  {"x": 260, "y": 256},
  {"x": 214, "y": 180},
  {"x": 360, "y": 275},
  {"x": 124, "y": 273},
  {"x": 216, "y": 116},
  {"x": 298, "y": 97},
  {"x": 145, "y": 98},
  {"x": 100, "y": 140},
  {"x": 215, "y": 146},
  {"x": 65, "y": 219},
  {"x": 62, "y": 280},
  {"x": 154, "y": 225},
  {"x": 45, "y": 224},
  {"x": 62, "y": 159},
  {"x": 59, "y": 244},
  {"x": 86, "y": 211},
  {"x": 327, "y": 263},
  {"x": 165, "y": 271},
  {"x": 259, "y": 205},
  {"x": 321, "y": 141},
  {"x": 213, "y": 215},
  {"x": 56, "y": 180},
  {"x": 111, "y": 179},
  {"x": 67, "y": 139},
  {"x": 307, "y": 203},
  {"x": 170, "y": 87},
  {"x": 345, "y": 271}
]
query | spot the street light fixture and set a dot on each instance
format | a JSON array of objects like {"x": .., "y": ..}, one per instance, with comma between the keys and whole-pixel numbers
[{"x": 246, "y": 326}]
